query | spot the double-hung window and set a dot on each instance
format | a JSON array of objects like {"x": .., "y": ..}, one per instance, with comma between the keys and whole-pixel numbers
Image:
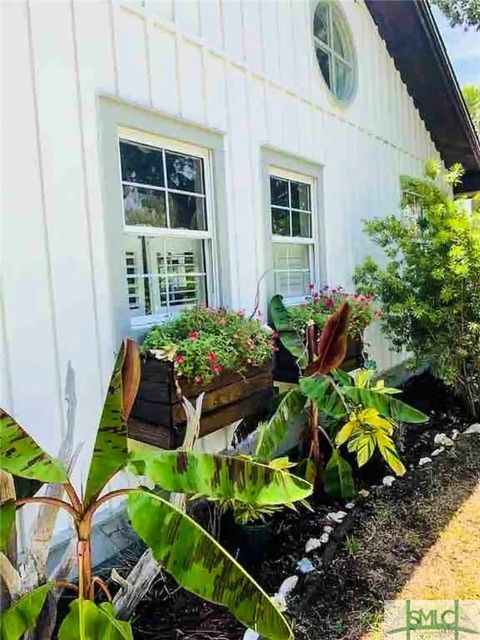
[
  {"x": 292, "y": 233},
  {"x": 167, "y": 224}
]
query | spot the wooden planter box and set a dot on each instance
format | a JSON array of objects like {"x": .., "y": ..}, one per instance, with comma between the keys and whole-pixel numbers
[
  {"x": 285, "y": 368},
  {"x": 158, "y": 417}
]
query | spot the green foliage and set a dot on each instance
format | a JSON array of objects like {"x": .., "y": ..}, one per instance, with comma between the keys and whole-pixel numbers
[
  {"x": 20, "y": 455},
  {"x": 87, "y": 621},
  {"x": 203, "y": 342},
  {"x": 391, "y": 408},
  {"x": 338, "y": 477},
  {"x": 429, "y": 289},
  {"x": 321, "y": 391},
  {"x": 198, "y": 562},
  {"x": 23, "y": 615},
  {"x": 471, "y": 94},
  {"x": 465, "y": 13},
  {"x": 7, "y": 520},
  {"x": 288, "y": 334}
]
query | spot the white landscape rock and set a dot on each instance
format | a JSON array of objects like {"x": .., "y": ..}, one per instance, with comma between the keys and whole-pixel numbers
[
  {"x": 473, "y": 428},
  {"x": 336, "y": 516},
  {"x": 312, "y": 544},
  {"x": 423, "y": 461},
  {"x": 350, "y": 505},
  {"x": 443, "y": 440},
  {"x": 455, "y": 433},
  {"x": 437, "y": 452},
  {"x": 364, "y": 493},
  {"x": 287, "y": 586},
  {"x": 305, "y": 566},
  {"x": 328, "y": 529},
  {"x": 324, "y": 538},
  {"x": 250, "y": 634},
  {"x": 388, "y": 481}
]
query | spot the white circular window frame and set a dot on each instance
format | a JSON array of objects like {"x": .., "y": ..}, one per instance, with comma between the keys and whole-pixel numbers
[{"x": 347, "y": 35}]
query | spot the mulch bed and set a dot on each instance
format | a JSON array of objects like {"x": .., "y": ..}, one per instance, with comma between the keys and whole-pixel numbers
[{"x": 370, "y": 555}]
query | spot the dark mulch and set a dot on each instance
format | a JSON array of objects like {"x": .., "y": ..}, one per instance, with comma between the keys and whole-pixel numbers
[{"x": 371, "y": 554}]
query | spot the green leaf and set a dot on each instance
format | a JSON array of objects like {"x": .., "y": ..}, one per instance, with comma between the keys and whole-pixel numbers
[
  {"x": 321, "y": 390},
  {"x": 389, "y": 452},
  {"x": 274, "y": 431},
  {"x": 20, "y": 455},
  {"x": 342, "y": 377},
  {"x": 363, "y": 444},
  {"x": 24, "y": 614},
  {"x": 338, "y": 477},
  {"x": 99, "y": 623},
  {"x": 219, "y": 476},
  {"x": 110, "y": 453},
  {"x": 201, "y": 565},
  {"x": 385, "y": 405},
  {"x": 7, "y": 519},
  {"x": 290, "y": 339}
]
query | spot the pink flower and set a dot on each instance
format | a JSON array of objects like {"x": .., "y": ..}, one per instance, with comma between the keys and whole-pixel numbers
[
  {"x": 212, "y": 356},
  {"x": 250, "y": 343},
  {"x": 193, "y": 335},
  {"x": 311, "y": 286},
  {"x": 180, "y": 359},
  {"x": 241, "y": 314},
  {"x": 275, "y": 335},
  {"x": 329, "y": 303},
  {"x": 198, "y": 380},
  {"x": 216, "y": 368}
]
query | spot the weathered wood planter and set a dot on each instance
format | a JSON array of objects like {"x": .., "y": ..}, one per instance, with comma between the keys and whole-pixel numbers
[
  {"x": 285, "y": 368},
  {"x": 158, "y": 417}
]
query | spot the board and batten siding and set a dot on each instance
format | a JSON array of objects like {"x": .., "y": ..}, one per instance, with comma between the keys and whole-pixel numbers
[{"x": 245, "y": 69}]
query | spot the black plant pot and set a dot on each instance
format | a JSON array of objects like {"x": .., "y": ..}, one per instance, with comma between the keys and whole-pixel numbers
[{"x": 248, "y": 543}]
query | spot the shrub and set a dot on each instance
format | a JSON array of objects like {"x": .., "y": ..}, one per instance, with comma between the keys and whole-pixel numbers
[
  {"x": 204, "y": 341},
  {"x": 430, "y": 287}
]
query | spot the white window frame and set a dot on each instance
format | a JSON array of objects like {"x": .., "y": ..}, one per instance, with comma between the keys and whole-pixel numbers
[
  {"x": 311, "y": 242},
  {"x": 207, "y": 236}
]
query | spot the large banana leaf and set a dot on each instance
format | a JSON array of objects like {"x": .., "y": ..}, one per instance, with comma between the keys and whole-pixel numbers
[
  {"x": 23, "y": 615},
  {"x": 99, "y": 623},
  {"x": 201, "y": 565},
  {"x": 287, "y": 334},
  {"x": 219, "y": 476},
  {"x": 322, "y": 391},
  {"x": 338, "y": 477},
  {"x": 274, "y": 431},
  {"x": 385, "y": 405},
  {"x": 332, "y": 343},
  {"x": 110, "y": 452},
  {"x": 7, "y": 518},
  {"x": 20, "y": 455}
]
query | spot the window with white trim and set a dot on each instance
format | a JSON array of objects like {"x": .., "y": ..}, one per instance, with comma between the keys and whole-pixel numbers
[
  {"x": 292, "y": 219},
  {"x": 167, "y": 223}
]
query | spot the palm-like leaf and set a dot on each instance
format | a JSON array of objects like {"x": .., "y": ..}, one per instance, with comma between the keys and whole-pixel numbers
[
  {"x": 385, "y": 405},
  {"x": 23, "y": 615},
  {"x": 200, "y": 564},
  {"x": 110, "y": 452},
  {"x": 20, "y": 455},
  {"x": 272, "y": 434},
  {"x": 322, "y": 391},
  {"x": 287, "y": 335},
  {"x": 98, "y": 623},
  {"x": 219, "y": 476}
]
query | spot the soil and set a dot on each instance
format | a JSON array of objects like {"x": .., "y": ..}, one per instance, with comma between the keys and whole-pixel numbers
[{"x": 370, "y": 556}]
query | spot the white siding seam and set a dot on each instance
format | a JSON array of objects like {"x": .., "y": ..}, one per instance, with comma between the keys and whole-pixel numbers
[
  {"x": 248, "y": 86},
  {"x": 43, "y": 206},
  {"x": 113, "y": 41},
  {"x": 86, "y": 192},
  {"x": 148, "y": 28},
  {"x": 178, "y": 41}
]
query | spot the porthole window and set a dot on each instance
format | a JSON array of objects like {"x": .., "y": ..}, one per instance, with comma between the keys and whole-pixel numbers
[{"x": 334, "y": 49}]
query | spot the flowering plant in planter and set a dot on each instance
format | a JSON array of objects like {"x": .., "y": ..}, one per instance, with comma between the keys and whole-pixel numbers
[
  {"x": 205, "y": 341},
  {"x": 320, "y": 305}
]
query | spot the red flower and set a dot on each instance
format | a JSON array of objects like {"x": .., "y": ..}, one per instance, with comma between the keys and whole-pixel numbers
[
  {"x": 275, "y": 335},
  {"x": 180, "y": 359},
  {"x": 193, "y": 335},
  {"x": 329, "y": 303},
  {"x": 212, "y": 356},
  {"x": 198, "y": 380},
  {"x": 216, "y": 368},
  {"x": 311, "y": 286}
]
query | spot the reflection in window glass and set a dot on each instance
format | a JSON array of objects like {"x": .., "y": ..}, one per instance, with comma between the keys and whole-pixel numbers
[
  {"x": 291, "y": 264},
  {"x": 186, "y": 212},
  {"x": 184, "y": 172},
  {"x": 141, "y": 164},
  {"x": 144, "y": 207}
]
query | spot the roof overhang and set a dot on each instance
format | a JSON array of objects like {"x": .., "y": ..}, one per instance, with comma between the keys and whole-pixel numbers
[{"x": 416, "y": 46}]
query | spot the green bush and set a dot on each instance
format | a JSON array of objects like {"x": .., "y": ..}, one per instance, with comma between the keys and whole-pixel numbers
[
  {"x": 429, "y": 288},
  {"x": 204, "y": 341}
]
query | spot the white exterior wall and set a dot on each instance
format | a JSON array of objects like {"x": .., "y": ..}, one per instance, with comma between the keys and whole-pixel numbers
[{"x": 243, "y": 68}]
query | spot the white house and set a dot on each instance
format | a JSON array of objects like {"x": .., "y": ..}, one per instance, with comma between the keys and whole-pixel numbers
[{"x": 157, "y": 153}]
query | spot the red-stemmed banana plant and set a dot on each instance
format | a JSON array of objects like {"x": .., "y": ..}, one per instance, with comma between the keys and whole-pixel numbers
[{"x": 178, "y": 543}]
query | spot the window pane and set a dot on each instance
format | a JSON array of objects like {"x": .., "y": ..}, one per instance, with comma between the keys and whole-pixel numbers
[
  {"x": 186, "y": 212},
  {"x": 291, "y": 268},
  {"x": 338, "y": 40},
  {"x": 342, "y": 79},
  {"x": 279, "y": 192},
  {"x": 300, "y": 194},
  {"x": 184, "y": 172},
  {"x": 141, "y": 163},
  {"x": 280, "y": 222},
  {"x": 323, "y": 61},
  {"x": 301, "y": 224},
  {"x": 144, "y": 207},
  {"x": 320, "y": 22}
]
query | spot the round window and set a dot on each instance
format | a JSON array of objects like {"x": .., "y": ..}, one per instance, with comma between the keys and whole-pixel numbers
[{"x": 334, "y": 49}]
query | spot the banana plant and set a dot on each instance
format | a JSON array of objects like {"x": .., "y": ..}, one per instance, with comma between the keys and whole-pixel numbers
[{"x": 177, "y": 542}]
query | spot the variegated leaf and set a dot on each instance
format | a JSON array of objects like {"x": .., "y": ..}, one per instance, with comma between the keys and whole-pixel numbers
[
  {"x": 202, "y": 566},
  {"x": 272, "y": 434},
  {"x": 385, "y": 405},
  {"x": 23, "y": 615}
]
